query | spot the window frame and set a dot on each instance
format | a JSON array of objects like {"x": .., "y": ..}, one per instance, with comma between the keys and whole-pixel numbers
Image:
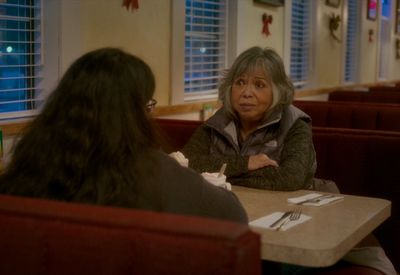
[
  {"x": 177, "y": 95},
  {"x": 356, "y": 41},
  {"x": 288, "y": 44},
  {"x": 33, "y": 51},
  {"x": 384, "y": 37},
  {"x": 50, "y": 22}
]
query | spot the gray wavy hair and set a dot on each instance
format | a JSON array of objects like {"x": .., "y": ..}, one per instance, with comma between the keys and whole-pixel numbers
[{"x": 248, "y": 61}]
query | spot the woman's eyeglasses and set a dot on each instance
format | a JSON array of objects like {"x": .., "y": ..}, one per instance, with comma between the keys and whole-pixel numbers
[{"x": 151, "y": 105}]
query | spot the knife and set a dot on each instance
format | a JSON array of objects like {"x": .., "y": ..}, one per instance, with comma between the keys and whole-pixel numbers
[
  {"x": 284, "y": 215},
  {"x": 316, "y": 199}
]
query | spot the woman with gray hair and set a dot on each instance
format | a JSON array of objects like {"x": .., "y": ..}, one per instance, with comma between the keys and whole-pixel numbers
[{"x": 265, "y": 141}]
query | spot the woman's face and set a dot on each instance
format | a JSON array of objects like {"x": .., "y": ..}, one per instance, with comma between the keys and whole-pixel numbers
[{"x": 251, "y": 95}]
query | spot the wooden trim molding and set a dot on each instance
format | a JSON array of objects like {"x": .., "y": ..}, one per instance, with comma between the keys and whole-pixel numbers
[
  {"x": 184, "y": 108},
  {"x": 15, "y": 127}
]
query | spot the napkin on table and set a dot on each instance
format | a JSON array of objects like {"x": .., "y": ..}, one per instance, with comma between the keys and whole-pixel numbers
[
  {"x": 216, "y": 179},
  {"x": 325, "y": 199},
  {"x": 266, "y": 221}
]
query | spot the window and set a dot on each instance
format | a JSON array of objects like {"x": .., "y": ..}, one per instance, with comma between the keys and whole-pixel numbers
[
  {"x": 204, "y": 46},
  {"x": 351, "y": 55},
  {"x": 386, "y": 8},
  {"x": 384, "y": 40},
  {"x": 300, "y": 43},
  {"x": 199, "y": 50},
  {"x": 20, "y": 57}
]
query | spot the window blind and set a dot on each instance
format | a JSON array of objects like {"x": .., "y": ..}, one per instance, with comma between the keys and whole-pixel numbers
[
  {"x": 386, "y": 8},
  {"x": 20, "y": 57},
  {"x": 351, "y": 58},
  {"x": 205, "y": 32},
  {"x": 384, "y": 37},
  {"x": 300, "y": 43}
]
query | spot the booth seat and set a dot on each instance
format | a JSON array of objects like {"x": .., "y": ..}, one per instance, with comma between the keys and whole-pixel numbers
[
  {"x": 47, "y": 237},
  {"x": 365, "y": 96},
  {"x": 394, "y": 88},
  {"x": 338, "y": 114},
  {"x": 174, "y": 133},
  {"x": 361, "y": 162},
  {"x": 367, "y": 163}
]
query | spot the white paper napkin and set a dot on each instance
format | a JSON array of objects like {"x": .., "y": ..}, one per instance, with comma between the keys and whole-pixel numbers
[
  {"x": 325, "y": 199},
  {"x": 266, "y": 221},
  {"x": 226, "y": 185},
  {"x": 217, "y": 180},
  {"x": 179, "y": 157}
]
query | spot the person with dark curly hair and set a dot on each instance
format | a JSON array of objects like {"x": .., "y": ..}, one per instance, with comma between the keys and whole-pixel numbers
[{"x": 94, "y": 142}]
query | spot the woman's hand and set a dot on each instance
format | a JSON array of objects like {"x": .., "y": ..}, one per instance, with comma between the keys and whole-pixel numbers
[{"x": 260, "y": 161}]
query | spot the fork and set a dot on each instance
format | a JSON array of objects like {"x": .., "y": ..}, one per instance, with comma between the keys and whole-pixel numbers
[{"x": 294, "y": 216}]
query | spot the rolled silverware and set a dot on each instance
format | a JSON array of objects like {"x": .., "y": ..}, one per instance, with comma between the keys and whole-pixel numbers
[{"x": 316, "y": 199}]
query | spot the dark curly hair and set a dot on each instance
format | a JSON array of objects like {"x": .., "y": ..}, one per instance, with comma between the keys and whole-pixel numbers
[{"x": 86, "y": 143}]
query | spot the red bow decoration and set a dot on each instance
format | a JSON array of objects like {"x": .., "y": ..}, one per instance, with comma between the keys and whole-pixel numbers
[
  {"x": 133, "y": 3},
  {"x": 266, "y": 19}
]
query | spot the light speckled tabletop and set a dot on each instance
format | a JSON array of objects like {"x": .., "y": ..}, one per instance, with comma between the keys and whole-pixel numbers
[{"x": 321, "y": 241}]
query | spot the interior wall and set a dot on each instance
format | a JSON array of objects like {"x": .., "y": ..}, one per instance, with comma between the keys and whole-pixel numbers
[
  {"x": 394, "y": 62},
  {"x": 327, "y": 70},
  {"x": 146, "y": 32},
  {"x": 250, "y": 26},
  {"x": 89, "y": 24},
  {"x": 394, "y": 69},
  {"x": 368, "y": 49},
  {"x": 70, "y": 33}
]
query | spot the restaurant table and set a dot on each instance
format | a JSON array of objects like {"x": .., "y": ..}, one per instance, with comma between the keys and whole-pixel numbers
[{"x": 333, "y": 230}]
